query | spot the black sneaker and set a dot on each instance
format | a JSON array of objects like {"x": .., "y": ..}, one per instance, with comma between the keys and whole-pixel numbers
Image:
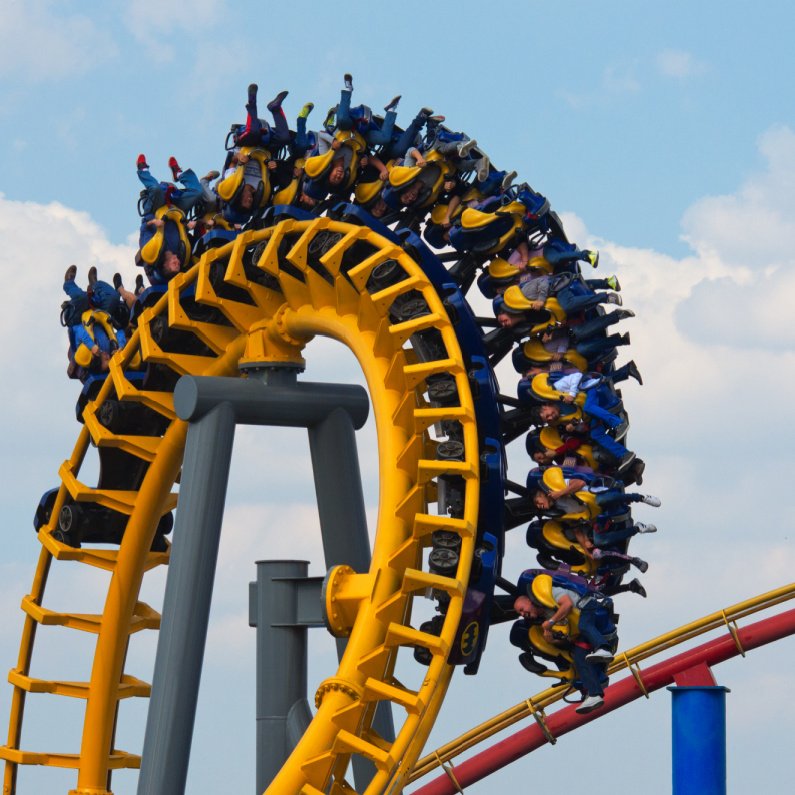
[
  {"x": 117, "y": 282},
  {"x": 636, "y": 587},
  {"x": 71, "y": 273},
  {"x": 92, "y": 275}
]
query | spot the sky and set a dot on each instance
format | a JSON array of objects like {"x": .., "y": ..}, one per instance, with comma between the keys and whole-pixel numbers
[{"x": 662, "y": 133}]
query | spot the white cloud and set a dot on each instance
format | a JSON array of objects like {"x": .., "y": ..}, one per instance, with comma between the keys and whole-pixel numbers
[
  {"x": 153, "y": 23},
  {"x": 679, "y": 64},
  {"x": 38, "y": 41}
]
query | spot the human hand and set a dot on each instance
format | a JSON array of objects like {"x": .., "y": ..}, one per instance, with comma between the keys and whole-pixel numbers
[
  {"x": 158, "y": 223},
  {"x": 568, "y": 398},
  {"x": 335, "y": 144}
]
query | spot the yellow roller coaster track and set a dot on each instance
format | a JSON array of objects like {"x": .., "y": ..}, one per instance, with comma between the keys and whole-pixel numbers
[{"x": 264, "y": 297}]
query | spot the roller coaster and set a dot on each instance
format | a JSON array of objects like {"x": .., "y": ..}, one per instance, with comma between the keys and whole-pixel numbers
[{"x": 343, "y": 257}]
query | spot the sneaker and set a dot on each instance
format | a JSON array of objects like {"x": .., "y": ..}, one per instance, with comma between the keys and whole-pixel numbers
[
  {"x": 252, "y": 93},
  {"x": 174, "y": 166},
  {"x": 465, "y": 147},
  {"x": 392, "y": 104},
  {"x": 589, "y": 704},
  {"x": 306, "y": 110},
  {"x": 600, "y": 656},
  {"x": 620, "y": 431},
  {"x": 348, "y": 81},
  {"x": 71, "y": 273},
  {"x": 139, "y": 284},
  {"x": 636, "y": 472},
  {"x": 508, "y": 179},
  {"x": 117, "y": 282},
  {"x": 141, "y": 162},
  {"x": 626, "y": 460},
  {"x": 650, "y": 499},
  {"x": 636, "y": 587},
  {"x": 426, "y": 113},
  {"x": 330, "y": 116},
  {"x": 529, "y": 663},
  {"x": 276, "y": 102},
  {"x": 640, "y": 565},
  {"x": 641, "y": 527},
  {"x": 625, "y": 336},
  {"x": 614, "y": 298},
  {"x": 92, "y": 275},
  {"x": 593, "y": 258},
  {"x": 624, "y": 314},
  {"x": 211, "y": 175},
  {"x": 433, "y": 120},
  {"x": 483, "y": 168},
  {"x": 633, "y": 371},
  {"x": 611, "y": 280}
]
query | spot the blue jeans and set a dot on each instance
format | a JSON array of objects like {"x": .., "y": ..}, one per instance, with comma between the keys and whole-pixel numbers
[
  {"x": 598, "y": 399},
  {"x": 184, "y": 198},
  {"x": 589, "y": 674},
  {"x": 600, "y": 436},
  {"x": 104, "y": 296},
  {"x": 349, "y": 118}
]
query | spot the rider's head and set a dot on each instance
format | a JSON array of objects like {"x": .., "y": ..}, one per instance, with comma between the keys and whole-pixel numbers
[{"x": 337, "y": 173}]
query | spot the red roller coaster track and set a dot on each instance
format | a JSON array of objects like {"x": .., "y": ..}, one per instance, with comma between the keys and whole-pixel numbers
[{"x": 689, "y": 668}]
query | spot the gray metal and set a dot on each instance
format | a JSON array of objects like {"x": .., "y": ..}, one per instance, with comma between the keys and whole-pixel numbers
[
  {"x": 296, "y": 405},
  {"x": 330, "y": 412},
  {"x": 282, "y": 710},
  {"x": 183, "y": 630}
]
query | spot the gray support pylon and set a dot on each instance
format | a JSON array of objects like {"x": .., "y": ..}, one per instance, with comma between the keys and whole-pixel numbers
[
  {"x": 343, "y": 524},
  {"x": 281, "y": 663},
  {"x": 186, "y": 604}
]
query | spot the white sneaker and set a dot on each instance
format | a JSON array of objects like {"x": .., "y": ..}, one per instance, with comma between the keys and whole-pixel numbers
[
  {"x": 649, "y": 499},
  {"x": 599, "y": 656},
  {"x": 645, "y": 528},
  {"x": 589, "y": 704},
  {"x": 465, "y": 147}
]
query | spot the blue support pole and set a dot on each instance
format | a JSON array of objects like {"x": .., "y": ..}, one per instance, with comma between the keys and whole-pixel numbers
[{"x": 698, "y": 723}]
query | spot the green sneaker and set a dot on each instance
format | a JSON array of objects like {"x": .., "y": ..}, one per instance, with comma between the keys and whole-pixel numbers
[
  {"x": 593, "y": 258},
  {"x": 613, "y": 282},
  {"x": 306, "y": 110}
]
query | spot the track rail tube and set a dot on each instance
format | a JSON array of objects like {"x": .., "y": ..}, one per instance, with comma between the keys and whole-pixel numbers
[{"x": 617, "y": 695}]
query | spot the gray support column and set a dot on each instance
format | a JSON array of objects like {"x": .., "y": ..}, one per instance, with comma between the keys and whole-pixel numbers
[
  {"x": 343, "y": 525},
  {"x": 281, "y": 663},
  {"x": 183, "y": 631}
]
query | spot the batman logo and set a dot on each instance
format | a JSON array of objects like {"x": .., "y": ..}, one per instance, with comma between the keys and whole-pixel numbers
[{"x": 469, "y": 638}]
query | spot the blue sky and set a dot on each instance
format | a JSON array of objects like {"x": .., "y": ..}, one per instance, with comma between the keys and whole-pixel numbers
[{"x": 663, "y": 132}]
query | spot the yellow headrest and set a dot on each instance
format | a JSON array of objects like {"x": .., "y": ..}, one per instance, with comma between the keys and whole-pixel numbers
[
  {"x": 83, "y": 355},
  {"x": 553, "y": 479},
  {"x": 402, "y": 175},
  {"x": 542, "y": 590},
  {"x": 550, "y": 437},
  {"x": 515, "y": 299},
  {"x": 540, "y": 386},
  {"x": 475, "y": 219},
  {"x": 541, "y": 263},
  {"x": 317, "y": 165},
  {"x": 365, "y": 192},
  {"x": 500, "y": 268},
  {"x": 537, "y": 639}
]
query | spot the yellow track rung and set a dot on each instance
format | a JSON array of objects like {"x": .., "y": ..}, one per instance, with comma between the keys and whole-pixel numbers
[
  {"x": 376, "y": 690},
  {"x": 416, "y": 580},
  {"x": 145, "y": 618},
  {"x": 161, "y": 402},
  {"x": 425, "y": 417},
  {"x": 118, "y": 760},
  {"x": 426, "y": 523},
  {"x": 347, "y": 742},
  {"x": 360, "y": 273},
  {"x": 416, "y": 373},
  {"x": 432, "y": 468},
  {"x": 383, "y": 299},
  {"x": 399, "y": 635},
  {"x": 403, "y": 331},
  {"x": 129, "y": 687}
]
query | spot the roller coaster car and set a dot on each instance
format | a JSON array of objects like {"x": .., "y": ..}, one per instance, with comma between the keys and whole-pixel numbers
[
  {"x": 521, "y": 209},
  {"x": 435, "y": 226},
  {"x": 515, "y": 301},
  {"x": 319, "y": 166},
  {"x": 470, "y": 640},
  {"x": 152, "y": 253},
  {"x": 93, "y": 384},
  {"x": 551, "y": 439},
  {"x": 230, "y": 188},
  {"x": 533, "y": 354},
  {"x": 428, "y": 180},
  {"x": 87, "y": 522}
]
